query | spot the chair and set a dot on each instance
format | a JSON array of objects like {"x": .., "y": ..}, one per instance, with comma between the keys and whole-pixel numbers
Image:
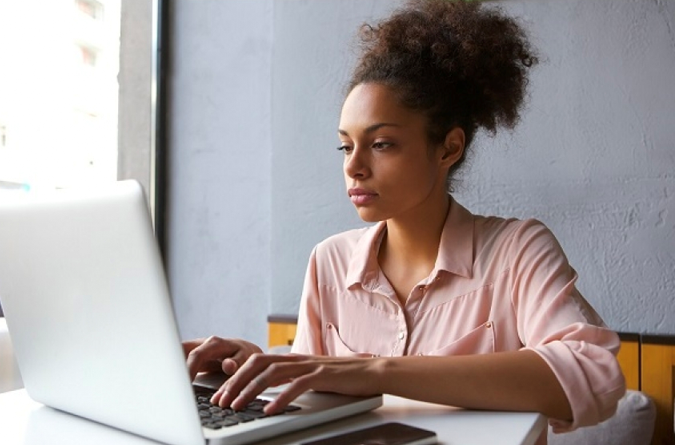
[{"x": 632, "y": 424}]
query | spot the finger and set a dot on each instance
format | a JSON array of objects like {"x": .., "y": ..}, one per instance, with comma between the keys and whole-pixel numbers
[
  {"x": 254, "y": 364},
  {"x": 229, "y": 366},
  {"x": 226, "y": 398},
  {"x": 255, "y": 387},
  {"x": 232, "y": 364},
  {"x": 226, "y": 394},
  {"x": 252, "y": 367},
  {"x": 189, "y": 345},
  {"x": 192, "y": 356},
  {"x": 208, "y": 355},
  {"x": 275, "y": 374},
  {"x": 297, "y": 387}
]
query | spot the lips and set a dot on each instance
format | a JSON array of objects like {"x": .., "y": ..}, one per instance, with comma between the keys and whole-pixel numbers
[{"x": 360, "y": 196}]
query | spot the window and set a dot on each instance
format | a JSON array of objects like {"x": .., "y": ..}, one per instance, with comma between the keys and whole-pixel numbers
[
  {"x": 62, "y": 110},
  {"x": 60, "y": 123}
]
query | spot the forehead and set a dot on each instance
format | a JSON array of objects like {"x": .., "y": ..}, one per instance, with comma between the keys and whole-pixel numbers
[{"x": 373, "y": 103}]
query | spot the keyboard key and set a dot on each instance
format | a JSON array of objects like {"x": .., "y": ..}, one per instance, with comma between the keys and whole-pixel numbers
[{"x": 215, "y": 417}]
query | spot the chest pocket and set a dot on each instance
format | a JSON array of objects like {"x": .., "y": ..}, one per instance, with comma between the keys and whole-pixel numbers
[
  {"x": 480, "y": 340},
  {"x": 336, "y": 347},
  {"x": 462, "y": 325}
]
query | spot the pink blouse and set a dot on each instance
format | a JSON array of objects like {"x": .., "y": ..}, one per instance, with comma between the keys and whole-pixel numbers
[{"x": 497, "y": 285}]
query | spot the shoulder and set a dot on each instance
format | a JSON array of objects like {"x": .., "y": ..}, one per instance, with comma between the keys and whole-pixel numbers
[
  {"x": 513, "y": 237},
  {"x": 343, "y": 243},
  {"x": 509, "y": 228},
  {"x": 343, "y": 257}
]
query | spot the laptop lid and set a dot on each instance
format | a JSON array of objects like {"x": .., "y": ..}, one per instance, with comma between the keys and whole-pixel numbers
[
  {"x": 88, "y": 309},
  {"x": 87, "y": 305}
]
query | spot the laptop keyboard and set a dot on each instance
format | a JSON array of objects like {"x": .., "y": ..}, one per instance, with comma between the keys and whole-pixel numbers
[{"x": 215, "y": 417}]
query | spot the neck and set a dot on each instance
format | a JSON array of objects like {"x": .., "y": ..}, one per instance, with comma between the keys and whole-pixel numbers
[{"x": 416, "y": 236}]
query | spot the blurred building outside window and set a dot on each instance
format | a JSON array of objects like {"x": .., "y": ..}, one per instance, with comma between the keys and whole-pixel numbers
[{"x": 59, "y": 65}]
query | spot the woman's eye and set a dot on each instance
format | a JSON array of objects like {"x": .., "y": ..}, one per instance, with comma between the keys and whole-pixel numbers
[
  {"x": 381, "y": 145},
  {"x": 345, "y": 148}
]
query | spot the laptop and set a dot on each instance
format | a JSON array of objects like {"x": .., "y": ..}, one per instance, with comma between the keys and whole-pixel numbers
[{"x": 88, "y": 308}]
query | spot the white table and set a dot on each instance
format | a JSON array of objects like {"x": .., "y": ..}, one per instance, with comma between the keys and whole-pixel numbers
[{"x": 23, "y": 421}]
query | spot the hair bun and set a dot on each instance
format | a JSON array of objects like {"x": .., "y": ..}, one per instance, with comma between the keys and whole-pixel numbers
[{"x": 461, "y": 63}]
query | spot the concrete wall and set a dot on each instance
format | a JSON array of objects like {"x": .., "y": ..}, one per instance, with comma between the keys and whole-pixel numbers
[
  {"x": 314, "y": 49},
  {"x": 219, "y": 183},
  {"x": 594, "y": 157},
  {"x": 256, "y": 181}
]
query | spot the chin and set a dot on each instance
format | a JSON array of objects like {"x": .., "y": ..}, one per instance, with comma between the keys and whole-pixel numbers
[{"x": 369, "y": 215}]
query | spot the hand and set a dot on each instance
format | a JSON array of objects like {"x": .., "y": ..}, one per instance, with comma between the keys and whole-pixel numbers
[
  {"x": 215, "y": 354},
  {"x": 351, "y": 376}
]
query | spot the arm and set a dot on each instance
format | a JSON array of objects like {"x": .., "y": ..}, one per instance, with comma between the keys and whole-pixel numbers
[
  {"x": 518, "y": 380},
  {"x": 514, "y": 381},
  {"x": 557, "y": 323}
]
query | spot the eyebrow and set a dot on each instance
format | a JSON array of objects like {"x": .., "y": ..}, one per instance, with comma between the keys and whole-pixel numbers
[{"x": 371, "y": 128}]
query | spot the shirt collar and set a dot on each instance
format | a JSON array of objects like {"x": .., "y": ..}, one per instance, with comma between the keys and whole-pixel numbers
[
  {"x": 455, "y": 253},
  {"x": 363, "y": 266}
]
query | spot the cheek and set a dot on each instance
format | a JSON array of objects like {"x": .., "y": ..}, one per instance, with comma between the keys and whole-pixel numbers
[{"x": 415, "y": 176}]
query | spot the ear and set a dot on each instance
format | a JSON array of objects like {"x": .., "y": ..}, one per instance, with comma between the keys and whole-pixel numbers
[{"x": 453, "y": 147}]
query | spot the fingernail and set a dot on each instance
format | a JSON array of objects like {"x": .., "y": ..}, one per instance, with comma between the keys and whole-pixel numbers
[
  {"x": 236, "y": 404},
  {"x": 224, "y": 402},
  {"x": 215, "y": 397},
  {"x": 270, "y": 408}
]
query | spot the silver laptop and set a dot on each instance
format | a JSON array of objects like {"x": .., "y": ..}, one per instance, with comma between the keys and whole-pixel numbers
[{"x": 88, "y": 308}]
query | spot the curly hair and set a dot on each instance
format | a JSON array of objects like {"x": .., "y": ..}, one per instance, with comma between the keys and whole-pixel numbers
[{"x": 462, "y": 64}]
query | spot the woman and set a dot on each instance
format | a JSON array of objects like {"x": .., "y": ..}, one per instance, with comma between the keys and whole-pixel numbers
[{"x": 431, "y": 302}]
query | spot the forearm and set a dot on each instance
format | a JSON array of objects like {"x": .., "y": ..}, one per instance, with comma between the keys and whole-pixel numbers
[{"x": 514, "y": 381}]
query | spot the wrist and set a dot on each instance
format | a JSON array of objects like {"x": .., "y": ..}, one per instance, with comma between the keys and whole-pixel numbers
[{"x": 378, "y": 370}]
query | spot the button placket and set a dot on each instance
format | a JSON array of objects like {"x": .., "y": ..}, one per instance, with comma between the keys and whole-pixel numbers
[{"x": 399, "y": 344}]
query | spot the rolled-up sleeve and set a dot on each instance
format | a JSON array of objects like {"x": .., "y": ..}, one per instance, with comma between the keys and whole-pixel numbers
[{"x": 556, "y": 322}]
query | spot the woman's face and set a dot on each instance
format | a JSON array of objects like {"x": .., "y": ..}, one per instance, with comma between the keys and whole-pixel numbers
[{"x": 389, "y": 170}]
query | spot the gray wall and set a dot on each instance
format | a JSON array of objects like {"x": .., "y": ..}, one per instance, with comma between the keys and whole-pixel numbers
[
  {"x": 218, "y": 224},
  {"x": 314, "y": 51},
  {"x": 256, "y": 181},
  {"x": 594, "y": 157}
]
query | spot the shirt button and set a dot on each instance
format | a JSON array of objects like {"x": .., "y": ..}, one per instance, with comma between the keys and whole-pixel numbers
[
  {"x": 488, "y": 325},
  {"x": 401, "y": 335}
]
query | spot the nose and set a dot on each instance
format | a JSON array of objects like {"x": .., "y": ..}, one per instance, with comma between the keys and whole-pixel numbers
[{"x": 356, "y": 164}]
